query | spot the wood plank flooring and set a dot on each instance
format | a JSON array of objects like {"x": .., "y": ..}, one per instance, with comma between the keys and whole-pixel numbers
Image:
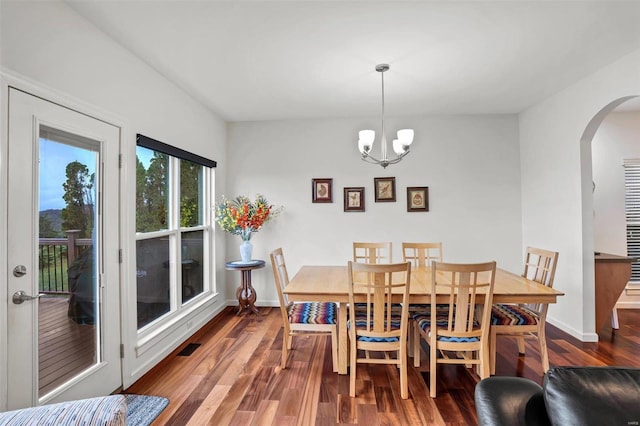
[{"x": 234, "y": 377}]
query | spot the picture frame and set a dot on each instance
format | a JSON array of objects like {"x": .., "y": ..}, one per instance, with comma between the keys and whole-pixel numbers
[
  {"x": 417, "y": 198},
  {"x": 322, "y": 190},
  {"x": 354, "y": 199},
  {"x": 384, "y": 189}
]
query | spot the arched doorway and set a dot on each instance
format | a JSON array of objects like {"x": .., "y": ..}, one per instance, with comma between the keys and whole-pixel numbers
[{"x": 604, "y": 147}]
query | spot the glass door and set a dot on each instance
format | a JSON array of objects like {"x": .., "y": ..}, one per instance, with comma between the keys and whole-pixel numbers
[{"x": 63, "y": 279}]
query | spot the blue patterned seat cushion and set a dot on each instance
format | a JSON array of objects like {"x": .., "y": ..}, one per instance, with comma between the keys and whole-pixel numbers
[
  {"x": 512, "y": 315},
  {"x": 363, "y": 307},
  {"x": 424, "y": 308},
  {"x": 419, "y": 307},
  {"x": 361, "y": 324},
  {"x": 104, "y": 411},
  {"x": 313, "y": 313},
  {"x": 442, "y": 320}
]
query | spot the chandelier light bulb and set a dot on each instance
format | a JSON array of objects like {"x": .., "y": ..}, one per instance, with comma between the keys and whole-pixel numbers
[{"x": 366, "y": 140}]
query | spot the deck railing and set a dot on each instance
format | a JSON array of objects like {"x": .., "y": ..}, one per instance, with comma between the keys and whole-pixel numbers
[{"x": 55, "y": 256}]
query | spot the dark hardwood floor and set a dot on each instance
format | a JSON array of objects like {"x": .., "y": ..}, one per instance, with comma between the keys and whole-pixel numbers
[{"x": 234, "y": 377}]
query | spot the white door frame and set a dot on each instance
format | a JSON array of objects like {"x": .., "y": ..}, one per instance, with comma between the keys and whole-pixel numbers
[{"x": 11, "y": 79}]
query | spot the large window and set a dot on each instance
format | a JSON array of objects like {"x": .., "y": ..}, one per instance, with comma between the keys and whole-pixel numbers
[
  {"x": 632, "y": 214},
  {"x": 173, "y": 229}
]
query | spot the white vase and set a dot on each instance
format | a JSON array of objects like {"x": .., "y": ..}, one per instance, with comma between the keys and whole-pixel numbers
[{"x": 245, "y": 250}]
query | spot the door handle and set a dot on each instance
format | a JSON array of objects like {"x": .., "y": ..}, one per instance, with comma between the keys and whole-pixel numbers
[{"x": 20, "y": 296}]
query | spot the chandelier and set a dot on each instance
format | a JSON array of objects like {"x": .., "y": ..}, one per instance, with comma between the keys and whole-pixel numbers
[{"x": 367, "y": 137}]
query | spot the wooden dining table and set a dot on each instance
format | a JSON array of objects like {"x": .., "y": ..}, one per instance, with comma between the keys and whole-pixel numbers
[{"x": 330, "y": 284}]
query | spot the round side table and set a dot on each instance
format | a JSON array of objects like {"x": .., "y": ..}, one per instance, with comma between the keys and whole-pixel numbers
[{"x": 245, "y": 293}]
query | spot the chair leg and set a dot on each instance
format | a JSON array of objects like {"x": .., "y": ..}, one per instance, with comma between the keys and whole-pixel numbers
[
  {"x": 416, "y": 345},
  {"x": 520, "y": 344},
  {"x": 334, "y": 348},
  {"x": 352, "y": 369},
  {"x": 411, "y": 337},
  {"x": 285, "y": 345},
  {"x": 433, "y": 362},
  {"x": 484, "y": 358},
  {"x": 492, "y": 351},
  {"x": 404, "y": 386},
  {"x": 542, "y": 339}
]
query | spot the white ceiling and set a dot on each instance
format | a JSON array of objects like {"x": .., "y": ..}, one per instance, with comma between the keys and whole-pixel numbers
[{"x": 266, "y": 60}]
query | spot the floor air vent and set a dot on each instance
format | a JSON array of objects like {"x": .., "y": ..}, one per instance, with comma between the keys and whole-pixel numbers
[{"x": 188, "y": 350}]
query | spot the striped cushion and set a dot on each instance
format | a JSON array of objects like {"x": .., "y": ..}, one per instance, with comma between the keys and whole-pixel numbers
[
  {"x": 104, "y": 411},
  {"x": 424, "y": 319},
  {"x": 377, "y": 339},
  {"x": 419, "y": 307},
  {"x": 424, "y": 308},
  {"x": 442, "y": 320},
  {"x": 363, "y": 307},
  {"x": 361, "y": 324},
  {"x": 313, "y": 313},
  {"x": 512, "y": 315},
  {"x": 458, "y": 339}
]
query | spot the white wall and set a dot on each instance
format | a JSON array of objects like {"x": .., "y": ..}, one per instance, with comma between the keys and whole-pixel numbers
[
  {"x": 49, "y": 44},
  {"x": 617, "y": 138},
  {"x": 469, "y": 163},
  {"x": 557, "y": 205}
]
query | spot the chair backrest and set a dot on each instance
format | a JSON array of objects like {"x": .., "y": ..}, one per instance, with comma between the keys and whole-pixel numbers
[
  {"x": 372, "y": 252},
  {"x": 376, "y": 285},
  {"x": 421, "y": 254},
  {"x": 469, "y": 291},
  {"x": 281, "y": 278},
  {"x": 540, "y": 266}
]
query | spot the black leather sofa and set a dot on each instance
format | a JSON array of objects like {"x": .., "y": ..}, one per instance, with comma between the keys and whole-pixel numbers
[{"x": 568, "y": 396}]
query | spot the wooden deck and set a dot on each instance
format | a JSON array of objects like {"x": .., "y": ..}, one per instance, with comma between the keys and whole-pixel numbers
[{"x": 65, "y": 347}]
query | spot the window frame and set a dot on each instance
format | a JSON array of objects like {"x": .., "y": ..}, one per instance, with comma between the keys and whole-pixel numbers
[
  {"x": 175, "y": 232},
  {"x": 632, "y": 214}
]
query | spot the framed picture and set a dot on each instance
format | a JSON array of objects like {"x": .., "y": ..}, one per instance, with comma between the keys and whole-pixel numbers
[
  {"x": 354, "y": 199},
  {"x": 385, "y": 189},
  {"x": 417, "y": 198},
  {"x": 322, "y": 190}
]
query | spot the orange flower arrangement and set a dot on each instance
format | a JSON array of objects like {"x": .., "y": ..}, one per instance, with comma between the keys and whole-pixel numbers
[{"x": 242, "y": 217}]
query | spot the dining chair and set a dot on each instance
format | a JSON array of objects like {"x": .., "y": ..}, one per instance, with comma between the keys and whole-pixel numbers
[
  {"x": 378, "y": 327},
  {"x": 372, "y": 252},
  {"x": 457, "y": 331},
  {"x": 318, "y": 318},
  {"x": 421, "y": 254},
  {"x": 526, "y": 320}
]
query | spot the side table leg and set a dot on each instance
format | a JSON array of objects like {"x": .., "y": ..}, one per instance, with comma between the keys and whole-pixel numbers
[
  {"x": 246, "y": 294},
  {"x": 251, "y": 293},
  {"x": 242, "y": 301}
]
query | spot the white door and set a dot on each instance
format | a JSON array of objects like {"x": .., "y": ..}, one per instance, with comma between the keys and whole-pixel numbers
[{"x": 63, "y": 247}]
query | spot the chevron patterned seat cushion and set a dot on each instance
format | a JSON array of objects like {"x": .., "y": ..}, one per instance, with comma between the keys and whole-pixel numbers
[
  {"x": 313, "y": 313},
  {"x": 424, "y": 308},
  {"x": 363, "y": 307},
  {"x": 512, "y": 315},
  {"x": 104, "y": 411},
  {"x": 424, "y": 319},
  {"x": 419, "y": 307},
  {"x": 442, "y": 319},
  {"x": 361, "y": 324}
]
